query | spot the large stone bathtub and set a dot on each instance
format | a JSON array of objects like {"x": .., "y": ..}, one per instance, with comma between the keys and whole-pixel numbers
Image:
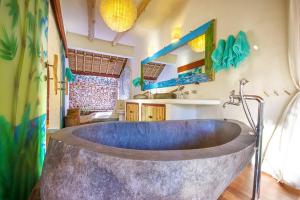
[{"x": 170, "y": 160}]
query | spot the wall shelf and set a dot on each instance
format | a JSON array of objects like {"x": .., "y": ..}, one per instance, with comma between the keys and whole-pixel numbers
[
  {"x": 177, "y": 101},
  {"x": 167, "y": 109}
]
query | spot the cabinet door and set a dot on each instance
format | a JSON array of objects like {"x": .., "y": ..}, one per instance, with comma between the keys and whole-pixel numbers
[
  {"x": 153, "y": 112},
  {"x": 132, "y": 112}
]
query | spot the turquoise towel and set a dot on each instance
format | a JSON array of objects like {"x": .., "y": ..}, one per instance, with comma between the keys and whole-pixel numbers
[
  {"x": 69, "y": 75},
  {"x": 241, "y": 48},
  {"x": 228, "y": 55},
  {"x": 217, "y": 55},
  {"x": 136, "y": 82}
]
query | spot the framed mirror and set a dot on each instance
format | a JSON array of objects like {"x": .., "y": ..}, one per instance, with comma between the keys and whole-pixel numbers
[{"x": 186, "y": 61}]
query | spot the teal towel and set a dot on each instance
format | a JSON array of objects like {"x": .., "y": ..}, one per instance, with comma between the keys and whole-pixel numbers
[
  {"x": 241, "y": 48},
  {"x": 217, "y": 55},
  {"x": 70, "y": 75},
  {"x": 228, "y": 55},
  {"x": 136, "y": 82}
]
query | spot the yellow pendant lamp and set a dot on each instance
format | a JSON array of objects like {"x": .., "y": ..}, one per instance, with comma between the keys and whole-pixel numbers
[
  {"x": 118, "y": 15},
  {"x": 198, "y": 44},
  {"x": 176, "y": 34}
]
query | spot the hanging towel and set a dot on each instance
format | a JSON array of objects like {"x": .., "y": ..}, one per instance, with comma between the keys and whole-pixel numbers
[
  {"x": 69, "y": 75},
  {"x": 217, "y": 55},
  {"x": 241, "y": 48},
  {"x": 228, "y": 56},
  {"x": 136, "y": 82}
]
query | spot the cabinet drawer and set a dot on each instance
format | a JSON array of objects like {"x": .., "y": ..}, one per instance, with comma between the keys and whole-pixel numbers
[
  {"x": 132, "y": 112},
  {"x": 153, "y": 112}
]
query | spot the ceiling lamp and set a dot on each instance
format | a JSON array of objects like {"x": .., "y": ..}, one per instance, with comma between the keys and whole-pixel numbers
[
  {"x": 118, "y": 15},
  {"x": 198, "y": 44},
  {"x": 176, "y": 34}
]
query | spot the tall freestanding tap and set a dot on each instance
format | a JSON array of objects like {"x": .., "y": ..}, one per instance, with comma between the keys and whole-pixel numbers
[{"x": 241, "y": 98}]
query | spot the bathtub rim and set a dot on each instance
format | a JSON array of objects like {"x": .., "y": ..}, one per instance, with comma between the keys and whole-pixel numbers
[{"x": 243, "y": 141}]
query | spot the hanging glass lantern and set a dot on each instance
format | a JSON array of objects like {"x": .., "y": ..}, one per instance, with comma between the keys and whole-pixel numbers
[
  {"x": 198, "y": 44},
  {"x": 118, "y": 15}
]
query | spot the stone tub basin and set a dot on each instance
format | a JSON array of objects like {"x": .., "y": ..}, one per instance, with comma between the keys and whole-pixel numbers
[{"x": 170, "y": 160}]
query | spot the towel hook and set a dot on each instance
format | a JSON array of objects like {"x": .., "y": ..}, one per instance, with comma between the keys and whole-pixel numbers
[
  {"x": 266, "y": 94},
  {"x": 287, "y": 92},
  {"x": 275, "y": 92}
]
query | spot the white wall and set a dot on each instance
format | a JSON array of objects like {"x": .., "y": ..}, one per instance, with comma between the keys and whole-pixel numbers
[
  {"x": 140, "y": 52},
  {"x": 265, "y": 22},
  {"x": 99, "y": 46}
]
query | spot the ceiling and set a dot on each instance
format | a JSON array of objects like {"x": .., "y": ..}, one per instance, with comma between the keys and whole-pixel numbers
[
  {"x": 76, "y": 21},
  {"x": 88, "y": 63}
]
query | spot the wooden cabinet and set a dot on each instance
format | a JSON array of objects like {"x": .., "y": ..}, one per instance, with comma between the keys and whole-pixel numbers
[
  {"x": 132, "y": 112},
  {"x": 153, "y": 112},
  {"x": 149, "y": 112}
]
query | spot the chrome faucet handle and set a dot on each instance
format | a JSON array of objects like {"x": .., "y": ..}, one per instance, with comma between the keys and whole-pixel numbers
[
  {"x": 244, "y": 81},
  {"x": 233, "y": 100}
]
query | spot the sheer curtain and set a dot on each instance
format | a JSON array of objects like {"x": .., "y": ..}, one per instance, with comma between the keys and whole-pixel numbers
[{"x": 283, "y": 151}]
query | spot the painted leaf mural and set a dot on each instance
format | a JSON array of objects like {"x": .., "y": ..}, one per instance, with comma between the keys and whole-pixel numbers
[
  {"x": 8, "y": 46},
  {"x": 14, "y": 11},
  {"x": 23, "y": 45},
  {"x": 31, "y": 21},
  {"x": 21, "y": 156}
]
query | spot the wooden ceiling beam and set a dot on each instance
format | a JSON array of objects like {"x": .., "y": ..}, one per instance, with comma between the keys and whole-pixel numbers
[
  {"x": 91, "y": 4},
  {"x": 141, "y": 8}
]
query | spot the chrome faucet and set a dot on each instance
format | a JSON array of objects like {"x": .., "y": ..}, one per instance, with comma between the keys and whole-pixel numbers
[
  {"x": 241, "y": 98},
  {"x": 232, "y": 100},
  {"x": 179, "y": 90}
]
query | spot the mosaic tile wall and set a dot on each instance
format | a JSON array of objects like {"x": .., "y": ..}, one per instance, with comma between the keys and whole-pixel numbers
[{"x": 93, "y": 93}]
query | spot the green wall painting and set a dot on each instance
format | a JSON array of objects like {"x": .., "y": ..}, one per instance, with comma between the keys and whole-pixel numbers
[{"x": 23, "y": 54}]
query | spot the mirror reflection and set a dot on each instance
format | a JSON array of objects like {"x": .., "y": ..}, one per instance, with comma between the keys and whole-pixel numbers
[
  {"x": 183, "y": 65},
  {"x": 186, "y": 61}
]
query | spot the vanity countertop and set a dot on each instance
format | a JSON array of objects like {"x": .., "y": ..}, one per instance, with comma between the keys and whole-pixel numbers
[{"x": 177, "y": 101}]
